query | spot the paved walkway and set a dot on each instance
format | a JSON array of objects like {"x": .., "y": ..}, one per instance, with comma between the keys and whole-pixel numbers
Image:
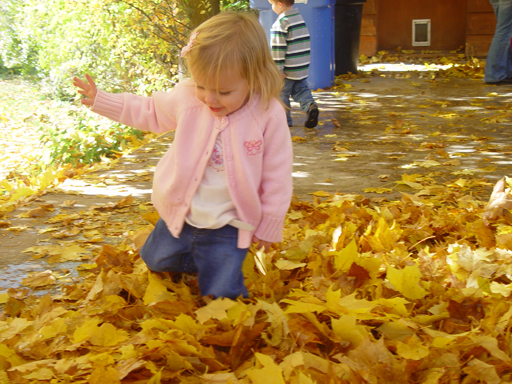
[{"x": 371, "y": 133}]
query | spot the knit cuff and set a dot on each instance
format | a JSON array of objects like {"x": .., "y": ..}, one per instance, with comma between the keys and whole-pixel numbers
[
  {"x": 270, "y": 229},
  {"x": 108, "y": 104}
]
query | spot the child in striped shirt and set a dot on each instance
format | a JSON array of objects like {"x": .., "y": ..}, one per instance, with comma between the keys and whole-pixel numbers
[{"x": 290, "y": 46}]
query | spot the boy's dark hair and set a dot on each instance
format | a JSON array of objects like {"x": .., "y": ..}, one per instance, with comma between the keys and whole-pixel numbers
[{"x": 287, "y": 2}]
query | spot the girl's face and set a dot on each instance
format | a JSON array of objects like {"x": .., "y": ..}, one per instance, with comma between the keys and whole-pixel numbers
[{"x": 229, "y": 95}]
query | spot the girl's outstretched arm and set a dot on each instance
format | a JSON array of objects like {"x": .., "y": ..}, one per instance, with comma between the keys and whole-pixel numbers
[{"x": 87, "y": 89}]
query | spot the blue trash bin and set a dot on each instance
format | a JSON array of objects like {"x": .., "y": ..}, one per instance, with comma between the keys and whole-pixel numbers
[{"x": 319, "y": 18}]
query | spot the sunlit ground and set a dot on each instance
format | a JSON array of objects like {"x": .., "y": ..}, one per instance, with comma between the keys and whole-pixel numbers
[{"x": 403, "y": 67}]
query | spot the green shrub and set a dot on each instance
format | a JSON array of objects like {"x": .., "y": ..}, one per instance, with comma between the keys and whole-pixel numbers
[{"x": 84, "y": 139}]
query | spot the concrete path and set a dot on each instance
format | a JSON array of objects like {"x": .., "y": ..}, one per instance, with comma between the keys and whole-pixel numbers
[{"x": 371, "y": 133}]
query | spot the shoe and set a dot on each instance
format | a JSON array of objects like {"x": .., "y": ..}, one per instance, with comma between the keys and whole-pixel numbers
[
  {"x": 505, "y": 81},
  {"x": 312, "y": 119}
]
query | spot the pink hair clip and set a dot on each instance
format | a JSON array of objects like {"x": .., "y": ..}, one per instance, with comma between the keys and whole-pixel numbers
[{"x": 186, "y": 49}]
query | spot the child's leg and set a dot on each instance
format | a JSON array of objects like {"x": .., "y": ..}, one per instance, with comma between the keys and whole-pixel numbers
[
  {"x": 162, "y": 252},
  {"x": 219, "y": 262},
  {"x": 302, "y": 94},
  {"x": 286, "y": 91}
]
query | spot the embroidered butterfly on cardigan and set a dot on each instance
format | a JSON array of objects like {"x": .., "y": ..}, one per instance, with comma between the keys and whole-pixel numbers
[{"x": 253, "y": 147}]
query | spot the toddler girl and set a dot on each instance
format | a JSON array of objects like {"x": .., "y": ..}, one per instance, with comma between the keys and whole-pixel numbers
[{"x": 226, "y": 179}]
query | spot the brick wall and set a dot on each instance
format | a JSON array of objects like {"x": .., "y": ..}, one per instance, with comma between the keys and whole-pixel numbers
[
  {"x": 480, "y": 25},
  {"x": 368, "y": 39}
]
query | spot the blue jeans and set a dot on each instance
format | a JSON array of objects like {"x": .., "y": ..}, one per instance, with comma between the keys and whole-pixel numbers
[
  {"x": 300, "y": 92},
  {"x": 212, "y": 253},
  {"x": 498, "y": 65}
]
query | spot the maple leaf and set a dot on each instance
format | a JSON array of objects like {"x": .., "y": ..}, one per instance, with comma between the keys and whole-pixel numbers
[
  {"x": 269, "y": 372},
  {"x": 217, "y": 309},
  {"x": 407, "y": 281},
  {"x": 39, "y": 279}
]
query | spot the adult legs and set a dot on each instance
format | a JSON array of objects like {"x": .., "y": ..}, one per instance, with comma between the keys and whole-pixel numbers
[{"x": 499, "y": 58}]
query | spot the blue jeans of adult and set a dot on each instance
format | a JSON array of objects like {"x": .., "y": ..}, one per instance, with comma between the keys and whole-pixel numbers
[
  {"x": 212, "y": 253},
  {"x": 300, "y": 92},
  {"x": 498, "y": 65}
]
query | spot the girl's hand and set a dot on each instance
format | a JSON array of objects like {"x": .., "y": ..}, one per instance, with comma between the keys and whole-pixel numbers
[
  {"x": 260, "y": 243},
  {"x": 87, "y": 89}
]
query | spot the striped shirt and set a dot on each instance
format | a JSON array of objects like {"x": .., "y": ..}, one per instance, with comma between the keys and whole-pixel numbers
[{"x": 289, "y": 42}]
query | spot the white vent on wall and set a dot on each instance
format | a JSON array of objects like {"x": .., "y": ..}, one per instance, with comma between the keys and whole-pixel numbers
[{"x": 421, "y": 32}]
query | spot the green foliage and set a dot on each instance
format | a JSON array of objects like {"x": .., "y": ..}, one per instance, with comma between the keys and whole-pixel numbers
[
  {"x": 16, "y": 54},
  {"x": 235, "y": 5},
  {"x": 85, "y": 140},
  {"x": 126, "y": 45}
]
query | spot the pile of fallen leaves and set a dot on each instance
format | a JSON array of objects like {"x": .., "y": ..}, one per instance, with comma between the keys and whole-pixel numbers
[{"x": 415, "y": 290}]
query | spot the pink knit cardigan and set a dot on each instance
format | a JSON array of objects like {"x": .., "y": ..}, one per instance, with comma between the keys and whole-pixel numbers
[{"x": 257, "y": 154}]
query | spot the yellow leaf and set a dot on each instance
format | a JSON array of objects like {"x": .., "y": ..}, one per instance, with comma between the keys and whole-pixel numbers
[
  {"x": 260, "y": 260},
  {"x": 152, "y": 217},
  {"x": 40, "y": 374},
  {"x": 346, "y": 327},
  {"x": 483, "y": 372},
  {"x": 320, "y": 194},
  {"x": 215, "y": 310},
  {"x": 39, "y": 279},
  {"x": 395, "y": 330},
  {"x": 21, "y": 192},
  {"x": 104, "y": 375},
  {"x": 303, "y": 379},
  {"x": 6, "y": 185},
  {"x": 13, "y": 328},
  {"x": 220, "y": 378},
  {"x": 427, "y": 163},
  {"x": 57, "y": 326},
  {"x": 407, "y": 281},
  {"x": 107, "y": 335},
  {"x": 46, "y": 179},
  {"x": 412, "y": 350},
  {"x": 502, "y": 289},
  {"x": 491, "y": 344},
  {"x": 288, "y": 265},
  {"x": 187, "y": 324},
  {"x": 156, "y": 291},
  {"x": 156, "y": 379},
  {"x": 355, "y": 305},
  {"x": 348, "y": 255},
  {"x": 378, "y": 190},
  {"x": 82, "y": 333},
  {"x": 302, "y": 307},
  {"x": 295, "y": 215},
  {"x": 385, "y": 237},
  {"x": 270, "y": 373}
]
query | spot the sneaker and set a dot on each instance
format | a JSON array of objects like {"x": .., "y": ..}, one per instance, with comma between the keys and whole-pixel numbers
[
  {"x": 312, "y": 119},
  {"x": 506, "y": 81}
]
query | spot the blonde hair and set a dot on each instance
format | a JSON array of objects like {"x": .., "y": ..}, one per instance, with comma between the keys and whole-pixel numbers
[{"x": 235, "y": 41}]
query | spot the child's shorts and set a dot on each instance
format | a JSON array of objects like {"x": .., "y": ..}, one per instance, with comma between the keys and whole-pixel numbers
[{"x": 212, "y": 253}]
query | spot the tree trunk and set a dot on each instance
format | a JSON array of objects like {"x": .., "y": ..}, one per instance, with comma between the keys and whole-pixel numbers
[{"x": 198, "y": 13}]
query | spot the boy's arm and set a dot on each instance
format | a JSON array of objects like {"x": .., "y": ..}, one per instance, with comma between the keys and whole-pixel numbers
[{"x": 278, "y": 44}]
